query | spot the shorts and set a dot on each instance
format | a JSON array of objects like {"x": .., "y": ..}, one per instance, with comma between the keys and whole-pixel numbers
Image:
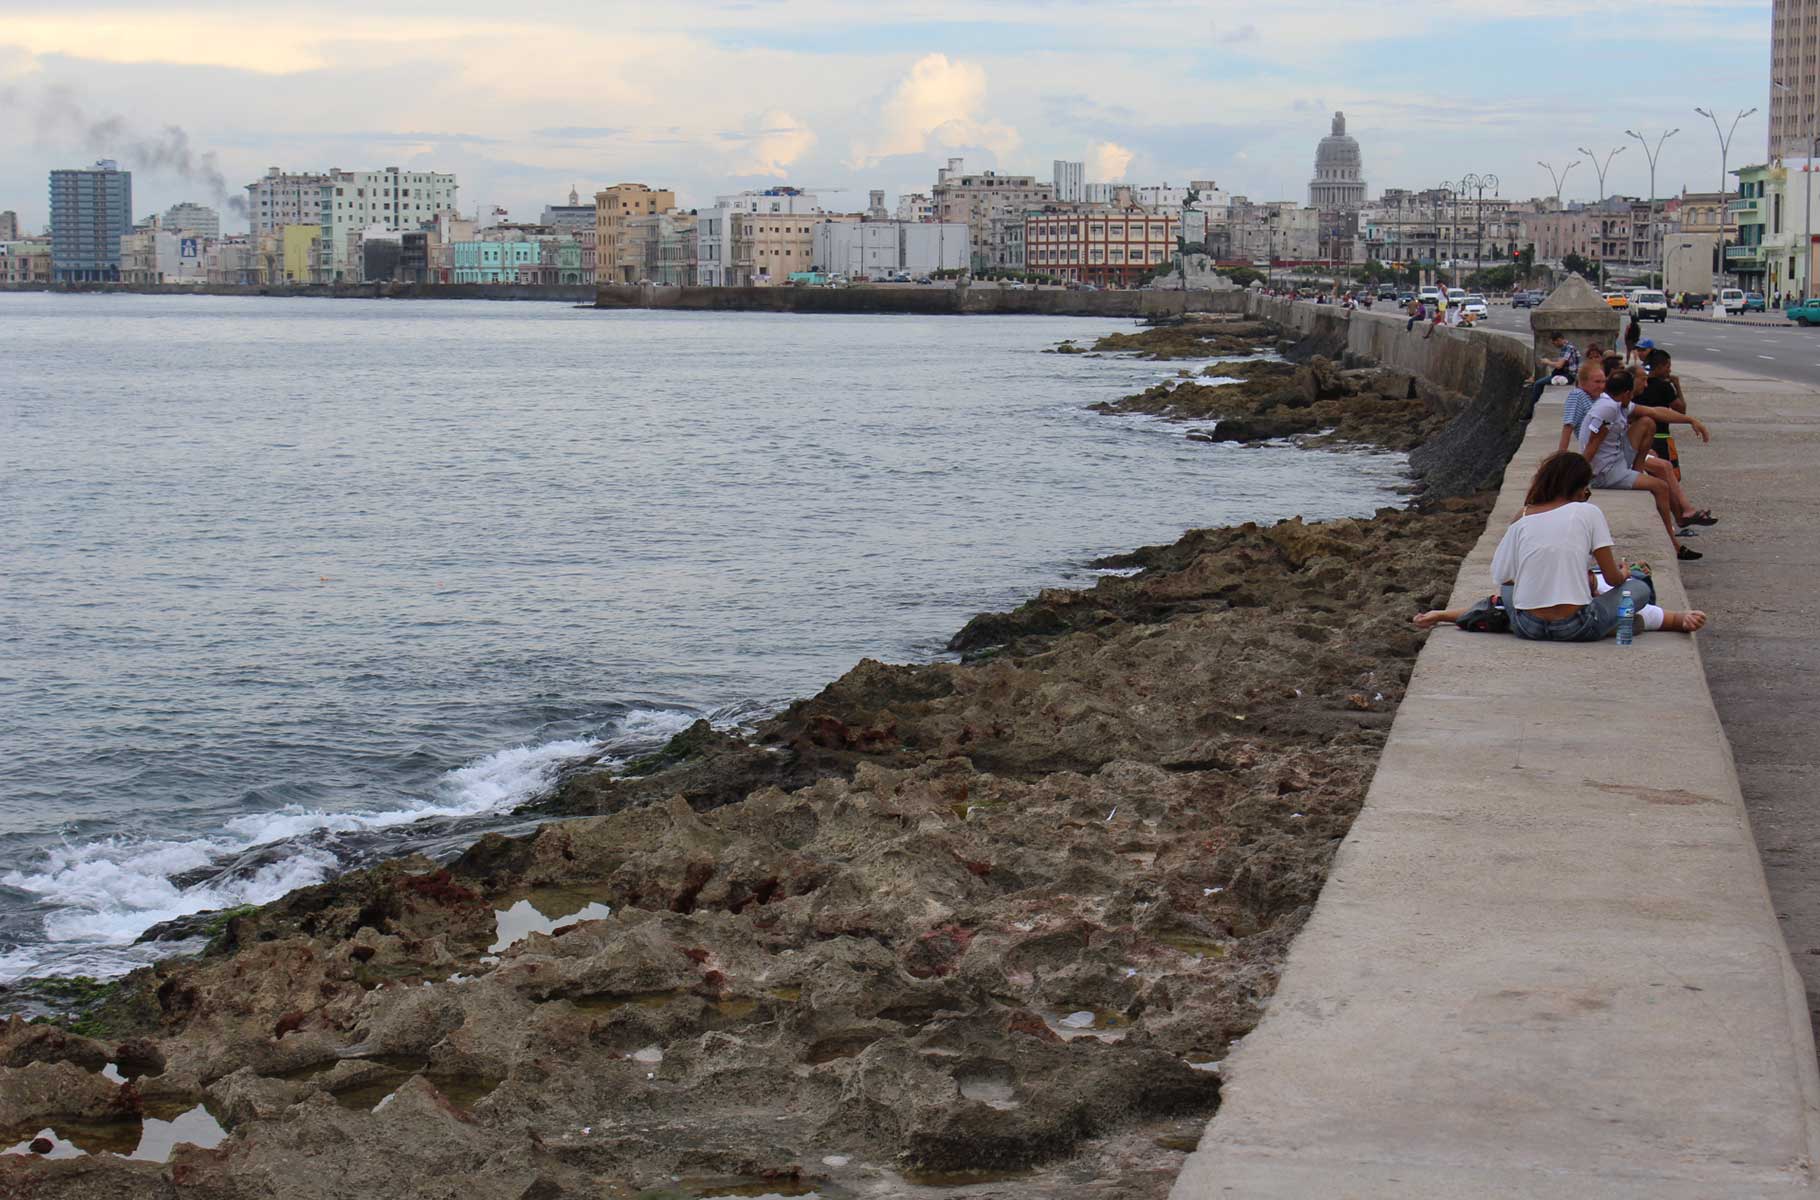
[
  {"x": 1615, "y": 479},
  {"x": 1665, "y": 450}
]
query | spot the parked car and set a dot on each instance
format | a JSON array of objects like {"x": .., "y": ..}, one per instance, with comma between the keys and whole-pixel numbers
[
  {"x": 1806, "y": 313},
  {"x": 1731, "y": 300},
  {"x": 1649, "y": 306},
  {"x": 1617, "y": 300},
  {"x": 1754, "y": 302}
]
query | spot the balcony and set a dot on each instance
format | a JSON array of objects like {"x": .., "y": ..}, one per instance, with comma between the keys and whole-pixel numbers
[
  {"x": 1744, "y": 258},
  {"x": 1745, "y": 208}
]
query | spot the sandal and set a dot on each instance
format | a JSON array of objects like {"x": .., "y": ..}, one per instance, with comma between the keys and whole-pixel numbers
[
  {"x": 1702, "y": 517},
  {"x": 1686, "y": 555}
]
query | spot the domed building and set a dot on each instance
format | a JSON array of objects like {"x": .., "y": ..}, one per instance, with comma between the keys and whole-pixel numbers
[{"x": 1337, "y": 185}]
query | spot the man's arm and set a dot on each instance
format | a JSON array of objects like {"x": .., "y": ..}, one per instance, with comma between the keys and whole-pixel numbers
[
  {"x": 1668, "y": 416},
  {"x": 1593, "y": 440},
  {"x": 1567, "y": 436}
]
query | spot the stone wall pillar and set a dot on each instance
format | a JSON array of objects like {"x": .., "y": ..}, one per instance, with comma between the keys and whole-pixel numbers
[{"x": 1577, "y": 311}]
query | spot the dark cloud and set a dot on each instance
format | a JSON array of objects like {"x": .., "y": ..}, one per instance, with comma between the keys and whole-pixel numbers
[{"x": 58, "y": 113}]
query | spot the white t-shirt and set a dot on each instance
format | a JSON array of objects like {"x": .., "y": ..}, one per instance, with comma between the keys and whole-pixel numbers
[
  {"x": 1614, "y": 452},
  {"x": 1546, "y": 554}
]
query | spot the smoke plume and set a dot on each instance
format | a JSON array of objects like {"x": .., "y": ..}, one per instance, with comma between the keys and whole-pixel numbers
[{"x": 59, "y": 115}]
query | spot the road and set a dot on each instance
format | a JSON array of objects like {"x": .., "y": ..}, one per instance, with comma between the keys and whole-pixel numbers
[{"x": 1766, "y": 346}]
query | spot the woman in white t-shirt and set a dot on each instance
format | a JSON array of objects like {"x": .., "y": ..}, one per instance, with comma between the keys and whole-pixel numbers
[{"x": 1540, "y": 567}]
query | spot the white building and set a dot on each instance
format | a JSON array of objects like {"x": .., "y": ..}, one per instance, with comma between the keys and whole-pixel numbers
[
  {"x": 194, "y": 218},
  {"x": 280, "y": 199},
  {"x": 876, "y": 248},
  {"x": 1070, "y": 180},
  {"x": 395, "y": 200},
  {"x": 714, "y": 254},
  {"x": 915, "y": 206}
]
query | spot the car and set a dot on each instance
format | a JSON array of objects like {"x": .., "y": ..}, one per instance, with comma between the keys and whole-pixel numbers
[
  {"x": 1387, "y": 293},
  {"x": 1754, "y": 302},
  {"x": 924, "y": 279},
  {"x": 1731, "y": 300},
  {"x": 1474, "y": 308},
  {"x": 1430, "y": 295},
  {"x": 1806, "y": 313},
  {"x": 1649, "y": 305},
  {"x": 1617, "y": 300},
  {"x": 1405, "y": 297},
  {"x": 1456, "y": 296},
  {"x": 1522, "y": 300}
]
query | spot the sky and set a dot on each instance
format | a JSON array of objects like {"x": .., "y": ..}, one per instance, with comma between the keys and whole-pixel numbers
[{"x": 524, "y": 101}]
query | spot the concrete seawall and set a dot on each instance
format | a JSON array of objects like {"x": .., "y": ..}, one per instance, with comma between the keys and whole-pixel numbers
[
  {"x": 1545, "y": 963},
  {"x": 978, "y": 300}
]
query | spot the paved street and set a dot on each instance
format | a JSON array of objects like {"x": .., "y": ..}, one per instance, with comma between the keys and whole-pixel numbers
[{"x": 1769, "y": 348}]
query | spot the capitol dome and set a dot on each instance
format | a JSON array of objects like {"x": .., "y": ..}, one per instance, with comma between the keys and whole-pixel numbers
[{"x": 1337, "y": 185}]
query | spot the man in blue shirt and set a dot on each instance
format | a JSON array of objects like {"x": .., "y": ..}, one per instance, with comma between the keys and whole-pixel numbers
[
  {"x": 1590, "y": 386},
  {"x": 1566, "y": 361}
]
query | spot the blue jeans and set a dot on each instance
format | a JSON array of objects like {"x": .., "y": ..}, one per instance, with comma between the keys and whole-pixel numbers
[{"x": 1591, "y": 623}]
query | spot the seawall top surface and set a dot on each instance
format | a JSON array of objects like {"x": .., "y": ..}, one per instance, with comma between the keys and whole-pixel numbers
[{"x": 1545, "y": 963}]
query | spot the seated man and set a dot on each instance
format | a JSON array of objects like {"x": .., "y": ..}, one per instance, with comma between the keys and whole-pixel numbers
[
  {"x": 1566, "y": 361},
  {"x": 1589, "y": 385},
  {"x": 1613, "y": 446},
  {"x": 1663, "y": 391},
  {"x": 1593, "y": 376}
]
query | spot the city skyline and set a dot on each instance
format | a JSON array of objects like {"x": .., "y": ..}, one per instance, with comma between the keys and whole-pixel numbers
[{"x": 195, "y": 95}]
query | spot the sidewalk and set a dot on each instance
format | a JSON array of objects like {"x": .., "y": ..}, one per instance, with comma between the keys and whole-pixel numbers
[
  {"x": 1761, "y": 472},
  {"x": 1545, "y": 964}
]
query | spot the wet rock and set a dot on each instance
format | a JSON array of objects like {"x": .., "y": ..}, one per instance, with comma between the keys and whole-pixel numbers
[
  {"x": 23, "y": 1043},
  {"x": 45, "y": 1092}
]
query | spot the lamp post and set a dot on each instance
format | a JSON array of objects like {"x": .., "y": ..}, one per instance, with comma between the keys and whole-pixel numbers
[
  {"x": 1477, "y": 184},
  {"x": 1807, "y": 185},
  {"x": 1725, "y": 145},
  {"x": 1653, "y": 156},
  {"x": 1601, "y": 169},
  {"x": 1558, "y": 178}
]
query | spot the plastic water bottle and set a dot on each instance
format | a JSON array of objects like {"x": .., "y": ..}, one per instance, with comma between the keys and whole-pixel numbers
[{"x": 1627, "y": 616}]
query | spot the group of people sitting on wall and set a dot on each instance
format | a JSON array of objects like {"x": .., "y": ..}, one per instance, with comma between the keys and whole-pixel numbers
[{"x": 1556, "y": 571}]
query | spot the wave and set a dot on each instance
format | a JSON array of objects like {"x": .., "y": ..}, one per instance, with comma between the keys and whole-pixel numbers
[{"x": 106, "y": 893}]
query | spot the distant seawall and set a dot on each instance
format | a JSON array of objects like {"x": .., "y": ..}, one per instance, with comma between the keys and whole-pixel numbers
[
  {"x": 576, "y": 293},
  {"x": 926, "y": 301}
]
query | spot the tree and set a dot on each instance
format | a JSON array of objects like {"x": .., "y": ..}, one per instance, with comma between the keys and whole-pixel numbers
[
  {"x": 1243, "y": 276},
  {"x": 1493, "y": 279},
  {"x": 1591, "y": 271}
]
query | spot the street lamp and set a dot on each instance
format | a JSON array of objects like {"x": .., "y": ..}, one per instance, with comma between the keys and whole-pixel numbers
[
  {"x": 1477, "y": 184},
  {"x": 1558, "y": 178},
  {"x": 1807, "y": 185},
  {"x": 1725, "y": 145},
  {"x": 1653, "y": 155}
]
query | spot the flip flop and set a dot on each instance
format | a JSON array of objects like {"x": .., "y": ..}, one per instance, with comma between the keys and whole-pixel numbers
[{"x": 1703, "y": 517}]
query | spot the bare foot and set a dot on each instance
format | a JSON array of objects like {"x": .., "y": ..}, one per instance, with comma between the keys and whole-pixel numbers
[
  {"x": 1684, "y": 622},
  {"x": 1431, "y": 618}
]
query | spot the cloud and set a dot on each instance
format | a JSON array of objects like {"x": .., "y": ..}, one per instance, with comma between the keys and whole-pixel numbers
[
  {"x": 938, "y": 105},
  {"x": 1107, "y": 161},
  {"x": 777, "y": 141}
]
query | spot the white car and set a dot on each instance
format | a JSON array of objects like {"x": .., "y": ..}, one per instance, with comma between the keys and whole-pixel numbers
[
  {"x": 1649, "y": 305},
  {"x": 1731, "y": 300},
  {"x": 1431, "y": 296},
  {"x": 1456, "y": 296},
  {"x": 1474, "y": 308}
]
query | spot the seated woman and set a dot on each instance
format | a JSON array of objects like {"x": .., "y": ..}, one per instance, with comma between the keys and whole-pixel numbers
[{"x": 1540, "y": 565}]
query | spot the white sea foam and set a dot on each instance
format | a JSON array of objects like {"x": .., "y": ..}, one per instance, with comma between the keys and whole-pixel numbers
[{"x": 107, "y": 893}]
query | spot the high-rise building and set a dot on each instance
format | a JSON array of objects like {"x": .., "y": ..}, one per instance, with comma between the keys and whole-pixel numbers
[
  {"x": 1338, "y": 185},
  {"x": 281, "y": 199},
  {"x": 1794, "y": 93},
  {"x": 975, "y": 199},
  {"x": 1070, "y": 177},
  {"x": 91, "y": 210},
  {"x": 9, "y": 226},
  {"x": 190, "y": 217}
]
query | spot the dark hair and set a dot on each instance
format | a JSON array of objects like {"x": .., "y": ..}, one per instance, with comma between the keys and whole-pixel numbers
[
  {"x": 1657, "y": 359},
  {"x": 1611, "y": 362},
  {"x": 1561, "y": 476},
  {"x": 1619, "y": 382}
]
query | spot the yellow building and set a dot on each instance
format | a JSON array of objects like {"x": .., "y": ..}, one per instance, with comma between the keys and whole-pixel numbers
[
  {"x": 616, "y": 260},
  {"x": 767, "y": 247},
  {"x": 301, "y": 243}
]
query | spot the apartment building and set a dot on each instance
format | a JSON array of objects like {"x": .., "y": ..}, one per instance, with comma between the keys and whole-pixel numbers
[
  {"x": 1108, "y": 246},
  {"x": 194, "y": 218},
  {"x": 768, "y": 247},
  {"x": 91, "y": 210},
  {"x": 915, "y": 206},
  {"x": 974, "y": 199},
  {"x": 715, "y": 228},
  {"x": 25, "y": 261},
  {"x": 282, "y": 199},
  {"x": 1794, "y": 94},
  {"x": 615, "y": 260},
  {"x": 382, "y": 202}
]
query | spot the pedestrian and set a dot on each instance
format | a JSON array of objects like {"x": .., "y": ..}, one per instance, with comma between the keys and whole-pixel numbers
[{"x": 1633, "y": 333}]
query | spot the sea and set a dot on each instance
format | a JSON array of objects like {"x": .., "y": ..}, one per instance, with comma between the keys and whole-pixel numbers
[{"x": 292, "y": 585}]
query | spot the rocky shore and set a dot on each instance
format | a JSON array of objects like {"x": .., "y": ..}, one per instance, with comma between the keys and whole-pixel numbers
[{"x": 974, "y": 928}]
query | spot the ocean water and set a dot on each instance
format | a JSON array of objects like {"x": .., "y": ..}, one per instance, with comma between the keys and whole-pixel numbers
[{"x": 293, "y": 584}]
